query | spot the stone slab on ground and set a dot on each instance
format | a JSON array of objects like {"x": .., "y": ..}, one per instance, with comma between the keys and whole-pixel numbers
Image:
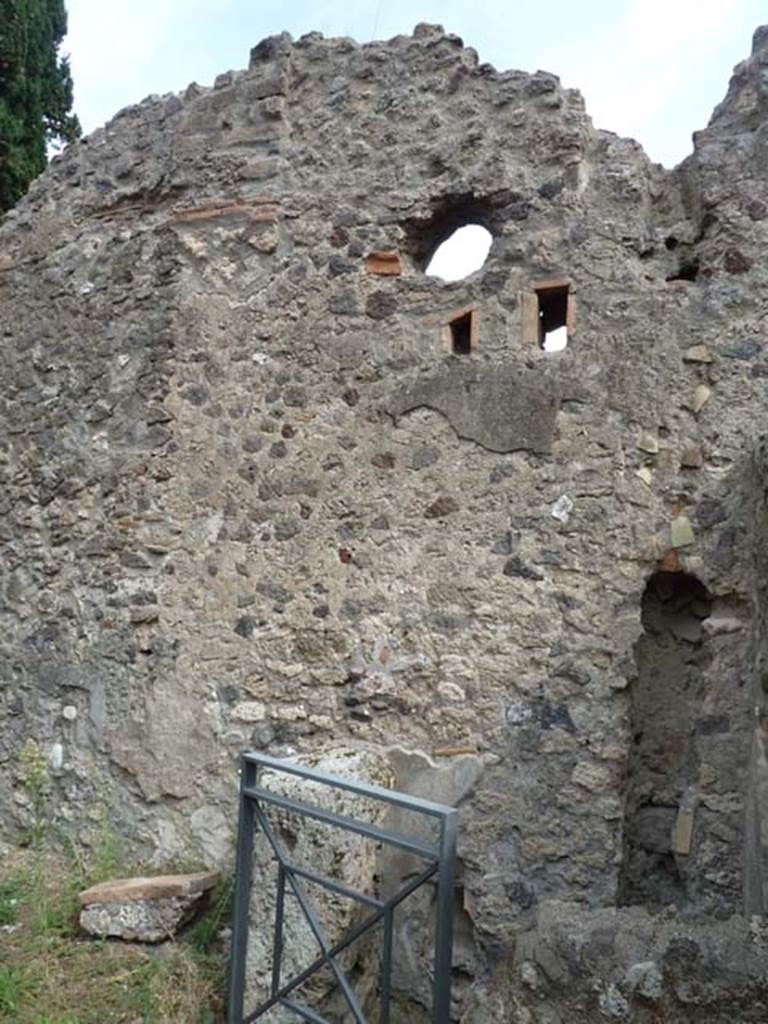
[{"x": 144, "y": 909}]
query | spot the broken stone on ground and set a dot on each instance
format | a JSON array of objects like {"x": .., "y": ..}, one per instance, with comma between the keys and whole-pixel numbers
[{"x": 144, "y": 909}]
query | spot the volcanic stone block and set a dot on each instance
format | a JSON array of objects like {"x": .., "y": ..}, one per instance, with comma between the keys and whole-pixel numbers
[
  {"x": 336, "y": 854},
  {"x": 144, "y": 909}
]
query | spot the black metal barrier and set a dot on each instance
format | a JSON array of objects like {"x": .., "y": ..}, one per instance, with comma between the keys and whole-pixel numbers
[{"x": 439, "y": 858}]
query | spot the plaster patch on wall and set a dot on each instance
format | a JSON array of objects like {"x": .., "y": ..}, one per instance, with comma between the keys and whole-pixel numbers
[{"x": 501, "y": 408}]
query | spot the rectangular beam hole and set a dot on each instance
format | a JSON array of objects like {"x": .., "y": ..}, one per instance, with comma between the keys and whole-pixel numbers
[
  {"x": 461, "y": 334},
  {"x": 554, "y": 325}
]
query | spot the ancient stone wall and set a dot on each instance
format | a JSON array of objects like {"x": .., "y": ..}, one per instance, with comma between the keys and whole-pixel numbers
[{"x": 252, "y": 498}]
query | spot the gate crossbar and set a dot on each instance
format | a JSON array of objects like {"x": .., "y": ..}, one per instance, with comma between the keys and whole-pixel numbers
[
  {"x": 382, "y": 835},
  {"x": 440, "y": 857}
]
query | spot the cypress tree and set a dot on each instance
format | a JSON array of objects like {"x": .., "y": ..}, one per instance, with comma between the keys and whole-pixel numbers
[{"x": 35, "y": 91}]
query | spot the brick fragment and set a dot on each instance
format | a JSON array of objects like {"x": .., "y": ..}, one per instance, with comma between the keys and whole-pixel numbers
[{"x": 384, "y": 264}]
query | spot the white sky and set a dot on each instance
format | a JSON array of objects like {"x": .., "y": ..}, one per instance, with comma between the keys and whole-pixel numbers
[
  {"x": 650, "y": 69},
  {"x": 461, "y": 254}
]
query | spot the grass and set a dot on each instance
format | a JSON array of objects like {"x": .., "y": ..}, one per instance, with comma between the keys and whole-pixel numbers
[
  {"x": 10, "y": 894},
  {"x": 69, "y": 1019},
  {"x": 50, "y": 974},
  {"x": 14, "y": 985}
]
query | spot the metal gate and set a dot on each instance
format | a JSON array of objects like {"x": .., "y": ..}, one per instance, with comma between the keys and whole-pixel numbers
[{"x": 439, "y": 859}]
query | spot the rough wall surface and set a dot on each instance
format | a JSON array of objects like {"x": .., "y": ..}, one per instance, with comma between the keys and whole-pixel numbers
[{"x": 250, "y": 500}]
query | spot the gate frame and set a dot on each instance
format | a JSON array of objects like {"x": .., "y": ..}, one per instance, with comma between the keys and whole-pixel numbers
[{"x": 440, "y": 855}]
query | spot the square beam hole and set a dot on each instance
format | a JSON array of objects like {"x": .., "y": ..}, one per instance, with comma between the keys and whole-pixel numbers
[{"x": 460, "y": 333}]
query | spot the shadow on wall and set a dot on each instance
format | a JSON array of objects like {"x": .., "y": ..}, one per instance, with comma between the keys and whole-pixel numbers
[{"x": 667, "y": 696}]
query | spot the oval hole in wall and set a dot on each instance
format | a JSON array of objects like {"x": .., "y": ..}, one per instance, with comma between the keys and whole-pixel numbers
[{"x": 461, "y": 254}]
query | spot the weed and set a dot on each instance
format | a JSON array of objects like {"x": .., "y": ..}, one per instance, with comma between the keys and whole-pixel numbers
[
  {"x": 14, "y": 985},
  {"x": 33, "y": 774},
  {"x": 56, "y": 914},
  {"x": 69, "y": 1019},
  {"x": 108, "y": 857},
  {"x": 180, "y": 991},
  {"x": 204, "y": 933},
  {"x": 78, "y": 871},
  {"x": 10, "y": 895}
]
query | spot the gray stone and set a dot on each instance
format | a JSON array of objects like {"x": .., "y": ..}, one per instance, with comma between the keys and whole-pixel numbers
[
  {"x": 286, "y": 527},
  {"x": 698, "y": 354},
  {"x": 138, "y": 921},
  {"x": 515, "y": 566},
  {"x": 701, "y": 396},
  {"x": 648, "y": 442},
  {"x": 211, "y": 827},
  {"x": 143, "y": 909},
  {"x": 339, "y": 855},
  {"x": 645, "y": 979},
  {"x": 681, "y": 532}
]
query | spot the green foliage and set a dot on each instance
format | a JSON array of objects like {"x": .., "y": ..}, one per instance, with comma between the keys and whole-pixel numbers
[
  {"x": 52, "y": 974},
  {"x": 55, "y": 913},
  {"x": 10, "y": 896},
  {"x": 15, "y": 984},
  {"x": 108, "y": 854},
  {"x": 35, "y": 91},
  {"x": 57, "y": 1020},
  {"x": 204, "y": 934},
  {"x": 33, "y": 775}
]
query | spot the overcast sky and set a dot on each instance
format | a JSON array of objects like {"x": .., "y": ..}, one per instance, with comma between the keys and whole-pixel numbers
[{"x": 650, "y": 69}]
